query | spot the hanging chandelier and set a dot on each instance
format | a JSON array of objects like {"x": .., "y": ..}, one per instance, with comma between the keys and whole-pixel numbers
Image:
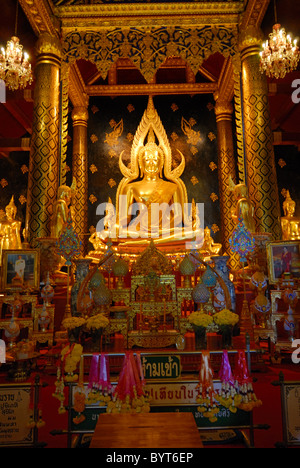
[
  {"x": 15, "y": 69},
  {"x": 279, "y": 55}
]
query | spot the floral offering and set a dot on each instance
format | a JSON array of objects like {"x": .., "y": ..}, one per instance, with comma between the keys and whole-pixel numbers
[
  {"x": 73, "y": 322},
  {"x": 200, "y": 319},
  {"x": 226, "y": 318},
  {"x": 70, "y": 356},
  {"x": 96, "y": 322}
]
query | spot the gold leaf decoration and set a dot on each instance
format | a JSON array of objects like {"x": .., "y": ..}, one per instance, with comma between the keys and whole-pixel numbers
[
  {"x": 281, "y": 163},
  {"x": 94, "y": 109},
  {"x": 22, "y": 199},
  {"x": 194, "y": 150},
  {"x": 212, "y": 166},
  {"x": 174, "y": 136},
  {"x": 194, "y": 180},
  {"x": 215, "y": 228},
  {"x": 94, "y": 138},
  {"x": 112, "y": 153},
  {"x": 24, "y": 169},
  {"x": 112, "y": 183},
  {"x": 92, "y": 198},
  {"x": 193, "y": 137},
  {"x": 130, "y": 137},
  {"x": 192, "y": 122},
  {"x": 67, "y": 168},
  {"x": 210, "y": 106},
  {"x": 174, "y": 107},
  {"x": 3, "y": 183},
  {"x": 211, "y": 136},
  {"x": 130, "y": 108},
  {"x": 112, "y": 138},
  {"x": 214, "y": 197},
  {"x": 93, "y": 168}
]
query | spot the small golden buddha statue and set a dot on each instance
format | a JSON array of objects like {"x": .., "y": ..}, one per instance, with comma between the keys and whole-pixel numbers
[
  {"x": 243, "y": 209},
  {"x": 61, "y": 209},
  {"x": 289, "y": 223},
  {"x": 209, "y": 247},
  {"x": 10, "y": 237},
  {"x": 153, "y": 187}
]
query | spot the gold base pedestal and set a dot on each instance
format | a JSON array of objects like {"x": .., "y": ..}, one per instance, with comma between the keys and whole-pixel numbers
[{"x": 159, "y": 339}]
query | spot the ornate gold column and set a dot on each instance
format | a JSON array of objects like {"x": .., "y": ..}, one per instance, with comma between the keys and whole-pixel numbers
[
  {"x": 259, "y": 152},
  {"x": 44, "y": 153},
  {"x": 226, "y": 168},
  {"x": 80, "y": 173}
]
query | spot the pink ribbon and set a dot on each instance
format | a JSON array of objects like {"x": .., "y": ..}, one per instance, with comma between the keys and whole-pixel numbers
[
  {"x": 94, "y": 371},
  {"x": 225, "y": 373}
]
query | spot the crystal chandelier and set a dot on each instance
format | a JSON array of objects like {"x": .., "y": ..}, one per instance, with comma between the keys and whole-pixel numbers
[
  {"x": 15, "y": 69},
  {"x": 279, "y": 56}
]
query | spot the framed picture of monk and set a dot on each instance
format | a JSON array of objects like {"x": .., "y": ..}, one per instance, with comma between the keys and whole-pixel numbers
[
  {"x": 21, "y": 270},
  {"x": 283, "y": 258}
]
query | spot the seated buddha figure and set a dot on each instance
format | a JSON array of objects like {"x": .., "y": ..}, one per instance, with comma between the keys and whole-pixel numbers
[
  {"x": 209, "y": 247},
  {"x": 10, "y": 237},
  {"x": 243, "y": 209},
  {"x": 289, "y": 223},
  {"x": 152, "y": 190}
]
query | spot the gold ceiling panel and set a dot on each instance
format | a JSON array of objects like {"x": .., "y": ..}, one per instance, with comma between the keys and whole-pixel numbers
[{"x": 98, "y": 16}]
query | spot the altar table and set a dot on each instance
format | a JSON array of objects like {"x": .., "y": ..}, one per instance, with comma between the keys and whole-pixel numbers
[{"x": 146, "y": 430}]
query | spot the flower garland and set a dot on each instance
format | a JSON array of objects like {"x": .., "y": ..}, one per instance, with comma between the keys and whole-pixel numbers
[
  {"x": 236, "y": 390},
  {"x": 70, "y": 357},
  {"x": 249, "y": 400},
  {"x": 129, "y": 395},
  {"x": 99, "y": 387},
  {"x": 228, "y": 395},
  {"x": 206, "y": 396}
]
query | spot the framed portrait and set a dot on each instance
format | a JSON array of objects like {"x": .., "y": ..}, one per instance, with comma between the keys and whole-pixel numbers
[
  {"x": 20, "y": 269},
  {"x": 283, "y": 257}
]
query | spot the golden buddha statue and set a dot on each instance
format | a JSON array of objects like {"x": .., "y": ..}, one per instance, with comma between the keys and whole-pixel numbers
[
  {"x": 10, "y": 237},
  {"x": 209, "y": 247},
  {"x": 243, "y": 209},
  {"x": 153, "y": 188},
  {"x": 289, "y": 224},
  {"x": 61, "y": 209}
]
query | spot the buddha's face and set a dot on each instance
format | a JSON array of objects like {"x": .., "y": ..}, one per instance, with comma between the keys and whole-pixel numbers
[
  {"x": 10, "y": 212},
  {"x": 151, "y": 160}
]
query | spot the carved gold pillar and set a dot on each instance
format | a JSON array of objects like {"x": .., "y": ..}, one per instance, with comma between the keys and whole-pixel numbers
[
  {"x": 44, "y": 152},
  {"x": 80, "y": 173},
  {"x": 259, "y": 152},
  {"x": 226, "y": 168}
]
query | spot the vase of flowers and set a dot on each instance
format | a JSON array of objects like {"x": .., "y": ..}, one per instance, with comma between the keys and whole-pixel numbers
[
  {"x": 96, "y": 326},
  {"x": 200, "y": 321},
  {"x": 226, "y": 320},
  {"x": 74, "y": 326}
]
